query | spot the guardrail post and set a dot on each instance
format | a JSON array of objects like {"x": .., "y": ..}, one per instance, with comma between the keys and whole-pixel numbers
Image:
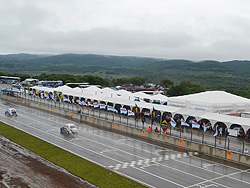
[
  {"x": 243, "y": 147},
  {"x": 228, "y": 143}
]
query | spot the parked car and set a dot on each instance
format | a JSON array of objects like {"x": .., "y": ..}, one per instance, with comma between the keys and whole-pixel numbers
[{"x": 68, "y": 129}]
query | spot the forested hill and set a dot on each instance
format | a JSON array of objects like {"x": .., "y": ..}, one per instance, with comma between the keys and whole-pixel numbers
[
  {"x": 20, "y": 57},
  {"x": 209, "y": 74},
  {"x": 70, "y": 63}
]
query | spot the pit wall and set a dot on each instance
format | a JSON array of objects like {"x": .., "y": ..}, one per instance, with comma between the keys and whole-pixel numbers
[{"x": 116, "y": 127}]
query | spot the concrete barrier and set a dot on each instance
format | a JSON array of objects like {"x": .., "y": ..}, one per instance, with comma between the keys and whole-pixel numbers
[{"x": 109, "y": 125}]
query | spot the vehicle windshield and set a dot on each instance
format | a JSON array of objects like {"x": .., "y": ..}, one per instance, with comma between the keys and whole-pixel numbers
[{"x": 72, "y": 126}]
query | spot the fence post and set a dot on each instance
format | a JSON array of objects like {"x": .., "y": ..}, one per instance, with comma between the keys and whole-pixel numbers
[
  {"x": 160, "y": 123},
  {"x": 215, "y": 141},
  {"x": 203, "y": 136},
  {"x": 191, "y": 134}
]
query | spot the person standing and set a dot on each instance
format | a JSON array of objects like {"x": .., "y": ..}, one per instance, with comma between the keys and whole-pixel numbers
[{"x": 220, "y": 131}]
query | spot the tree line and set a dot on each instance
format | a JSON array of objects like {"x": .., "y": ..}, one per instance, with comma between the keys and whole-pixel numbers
[{"x": 171, "y": 89}]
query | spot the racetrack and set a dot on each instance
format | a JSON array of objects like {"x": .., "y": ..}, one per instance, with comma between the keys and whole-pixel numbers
[{"x": 147, "y": 163}]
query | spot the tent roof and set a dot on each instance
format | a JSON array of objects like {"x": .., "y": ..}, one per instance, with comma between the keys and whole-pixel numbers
[
  {"x": 124, "y": 94},
  {"x": 160, "y": 97},
  {"x": 92, "y": 89},
  {"x": 77, "y": 89},
  {"x": 63, "y": 88},
  {"x": 212, "y": 97},
  {"x": 142, "y": 95},
  {"x": 46, "y": 89},
  {"x": 107, "y": 92}
]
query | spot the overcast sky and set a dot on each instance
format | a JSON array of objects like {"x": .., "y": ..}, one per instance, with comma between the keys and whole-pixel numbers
[{"x": 172, "y": 29}]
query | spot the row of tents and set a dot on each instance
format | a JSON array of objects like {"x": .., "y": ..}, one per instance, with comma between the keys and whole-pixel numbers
[{"x": 174, "y": 107}]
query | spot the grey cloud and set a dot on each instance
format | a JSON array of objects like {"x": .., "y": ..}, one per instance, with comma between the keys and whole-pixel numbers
[{"x": 165, "y": 29}]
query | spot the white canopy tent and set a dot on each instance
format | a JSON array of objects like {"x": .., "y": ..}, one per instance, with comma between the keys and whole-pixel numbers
[
  {"x": 63, "y": 89},
  {"x": 77, "y": 89},
  {"x": 92, "y": 90},
  {"x": 124, "y": 94},
  {"x": 142, "y": 95},
  {"x": 212, "y": 101},
  {"x": 123, "y": 99},
  {"x": 160, "y": 97},
  {"x": 106, "y": 91},
  {"x": 45, "y": 89}
]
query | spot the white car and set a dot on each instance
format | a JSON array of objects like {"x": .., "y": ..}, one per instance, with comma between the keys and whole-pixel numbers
[{"x": 69, "y": 129}]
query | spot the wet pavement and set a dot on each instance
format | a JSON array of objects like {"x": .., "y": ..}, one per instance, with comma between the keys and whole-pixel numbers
[{"x": 147, "y": 163}]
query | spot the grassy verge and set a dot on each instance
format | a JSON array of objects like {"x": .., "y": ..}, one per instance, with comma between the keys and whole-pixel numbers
[{"x": 76, "y": 165}]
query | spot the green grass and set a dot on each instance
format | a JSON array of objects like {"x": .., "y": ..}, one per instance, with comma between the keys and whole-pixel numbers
[{"x": 76, "y": 165}]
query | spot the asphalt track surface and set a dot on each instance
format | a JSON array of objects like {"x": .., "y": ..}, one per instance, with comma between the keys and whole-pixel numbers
[
  {"x": 230, "y": 143},
  {"x": 149, "y": 164}
]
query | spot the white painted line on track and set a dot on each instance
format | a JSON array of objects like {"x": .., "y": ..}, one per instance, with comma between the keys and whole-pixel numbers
[
  {"x": 90, "y": 151},
  {"x": 49, "y": 141},
  {"x": 171, "y": 156},
  {"x": 70, "y": 121},
  {"x": 224, "y": 176},
  {"x": 141, "y": 161},
  {"x": 143, "y": 183}
]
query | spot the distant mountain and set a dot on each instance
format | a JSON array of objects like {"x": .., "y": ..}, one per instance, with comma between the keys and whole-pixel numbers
[
  {"x": 209, "y": 74},
  {"x": 95, "y": 60},
  {"x": 20, "y": 57},
  {"x": 70, "y": 63}
]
